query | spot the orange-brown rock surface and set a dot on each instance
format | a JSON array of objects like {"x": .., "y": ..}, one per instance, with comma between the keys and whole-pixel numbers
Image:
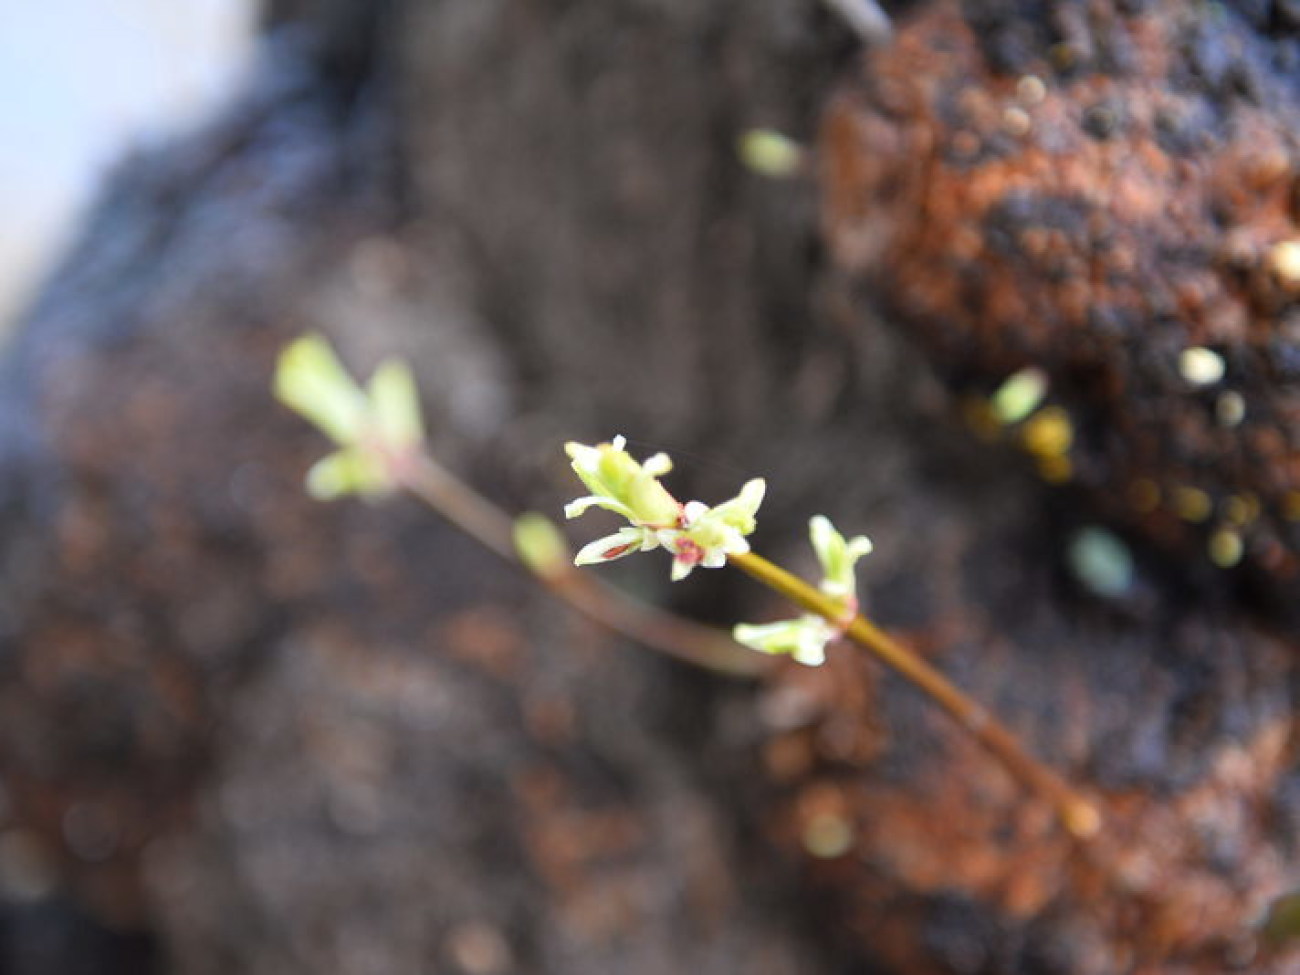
[{"x": 1093, "y": 191}]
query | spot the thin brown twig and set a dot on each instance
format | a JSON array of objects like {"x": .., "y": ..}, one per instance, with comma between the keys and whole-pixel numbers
[
  {"x": 672, "y": 635},
  {"x": 1079, "y": 815}
]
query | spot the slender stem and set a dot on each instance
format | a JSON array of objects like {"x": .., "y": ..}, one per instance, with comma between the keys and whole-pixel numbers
[
  {"x": 461, "y": 505},
  {"x": 665, "y": 632},
  {"x": 1079, "y": 816},
  {"x": 493, "y": 528}
]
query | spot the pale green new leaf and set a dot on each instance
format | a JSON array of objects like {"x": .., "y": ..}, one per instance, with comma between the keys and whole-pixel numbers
[
  {"x": 310, "y": 380},
  {"x": 344, "y": 472},
  {"x": 740, "y": 511},
  {"x": 539, "y": 543},
  {"x": 612, "y": 475},
  {"x": 623, "y": 542},
  {"x": 804, "y": 638},
  {"x": 395, "y": 406},
  {"x": 576, "y": 507},
  {"x": 838, "y": 557}
]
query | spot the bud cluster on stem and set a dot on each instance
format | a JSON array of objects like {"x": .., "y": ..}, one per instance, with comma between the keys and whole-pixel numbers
[{"x": 380, "y": 448}]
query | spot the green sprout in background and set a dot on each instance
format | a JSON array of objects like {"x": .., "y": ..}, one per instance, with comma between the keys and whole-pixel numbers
[
  {"x": 378, "y": 431},
  {"x": 771, "y": 154}
]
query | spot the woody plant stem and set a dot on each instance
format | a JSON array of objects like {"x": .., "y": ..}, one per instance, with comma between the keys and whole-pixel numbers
[
  {"x": 1078, "y": 815},
  {"x": 427, "y": 480},
  {"x": 473, "y": 514}
]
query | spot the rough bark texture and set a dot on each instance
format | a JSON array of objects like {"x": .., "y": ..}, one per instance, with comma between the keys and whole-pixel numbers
[{"x": 279, "y": 737}]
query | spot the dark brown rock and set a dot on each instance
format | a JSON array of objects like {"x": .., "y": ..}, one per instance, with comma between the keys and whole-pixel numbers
[{"x": 291, "y": 737}]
